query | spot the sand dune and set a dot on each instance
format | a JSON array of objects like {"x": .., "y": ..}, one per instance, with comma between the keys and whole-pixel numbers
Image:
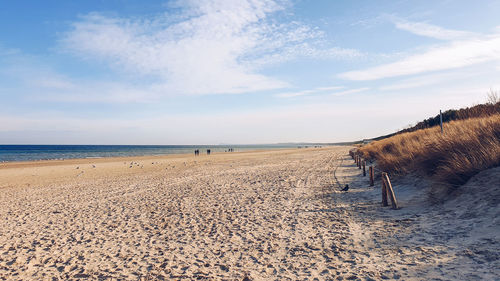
[{"x": 275, "y": 215}]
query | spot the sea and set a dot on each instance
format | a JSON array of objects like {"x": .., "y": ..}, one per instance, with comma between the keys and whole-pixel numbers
[{"x": 9, "y": 153}]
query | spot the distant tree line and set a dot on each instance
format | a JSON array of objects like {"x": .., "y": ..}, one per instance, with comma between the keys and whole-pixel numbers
[{"x": 480, "y": 110}]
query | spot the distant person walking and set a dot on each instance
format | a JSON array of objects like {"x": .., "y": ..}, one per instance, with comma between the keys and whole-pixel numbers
[{"x": 208, "y": 151}]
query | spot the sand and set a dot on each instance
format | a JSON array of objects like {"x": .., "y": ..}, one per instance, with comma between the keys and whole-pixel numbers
[{"x": 266, "y": 215}]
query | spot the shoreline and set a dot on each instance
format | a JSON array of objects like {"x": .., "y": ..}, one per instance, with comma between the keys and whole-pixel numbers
[
  {"x": 45, "y": 172},
  {"x": 33, "y": 153},
  {"x": 105, "y": 159}
]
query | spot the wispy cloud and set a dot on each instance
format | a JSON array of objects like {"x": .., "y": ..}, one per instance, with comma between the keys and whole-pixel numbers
[
  {"x": 31, "y": 79},
  {"x": 455, "y": 54},
  {"x": 52, "y": 82},
  {"x": 433, "y": 31},
  {"x": 427, "y": 80},
  {"x": 7, "y": 51},
  {"x": 211, "y": 47},
  {"x": 197, "y": 56},
  {"x": 351, "y": 91},
  {"x": 318, "y": 90},
  {"x": 329, "y": 88},
  {"x": 306, "y": 50},
  {"x": 323, "y": 91}
]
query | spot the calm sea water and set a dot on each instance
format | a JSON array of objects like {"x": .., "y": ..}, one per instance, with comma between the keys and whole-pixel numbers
[{"x": 46, "y": 152}]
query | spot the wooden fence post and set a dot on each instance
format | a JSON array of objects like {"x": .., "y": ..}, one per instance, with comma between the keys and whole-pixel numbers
[
  {"x": 364, "y": 168},
  {"x": 390, "y": 191},
  {"x": 371, "y": 176},
  {"x": 384, "y": 192}
]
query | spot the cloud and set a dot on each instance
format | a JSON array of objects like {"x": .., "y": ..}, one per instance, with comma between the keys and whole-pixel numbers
[
  {"x": 4, "y": 52},
  {"x": 433, "y": 31},
  {"x": 308, "y": 92},
  {"x": 193, "y": 64},
  {"x": 429, "y": 79},
  {"x": 455, "y": 54},
  {"x": 352, "y": 91},
  {"x": 208, "y": 47},
  {"x": 53, "y": 82},
  {"x": 95, "y": 92},
  {"x": 322, "y": 90},
  {"x": 306, "y": 50},
  {"x": 30, "y": 78}
]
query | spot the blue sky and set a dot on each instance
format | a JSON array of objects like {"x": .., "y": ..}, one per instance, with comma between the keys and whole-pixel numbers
[{"x": 239, "y": 71}]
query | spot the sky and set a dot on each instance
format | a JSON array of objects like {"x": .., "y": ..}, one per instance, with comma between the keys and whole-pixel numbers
[{"x": 238, "y": 71}]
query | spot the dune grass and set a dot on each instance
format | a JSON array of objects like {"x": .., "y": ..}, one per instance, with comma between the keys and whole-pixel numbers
[{"x": 466, "y": 148}]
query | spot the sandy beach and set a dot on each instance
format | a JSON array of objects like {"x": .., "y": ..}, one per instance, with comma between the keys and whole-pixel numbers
[{"x": 264, "y": 215}]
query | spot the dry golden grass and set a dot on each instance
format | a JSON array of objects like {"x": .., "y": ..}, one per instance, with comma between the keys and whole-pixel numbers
[{"x": 466, "y": 148}]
